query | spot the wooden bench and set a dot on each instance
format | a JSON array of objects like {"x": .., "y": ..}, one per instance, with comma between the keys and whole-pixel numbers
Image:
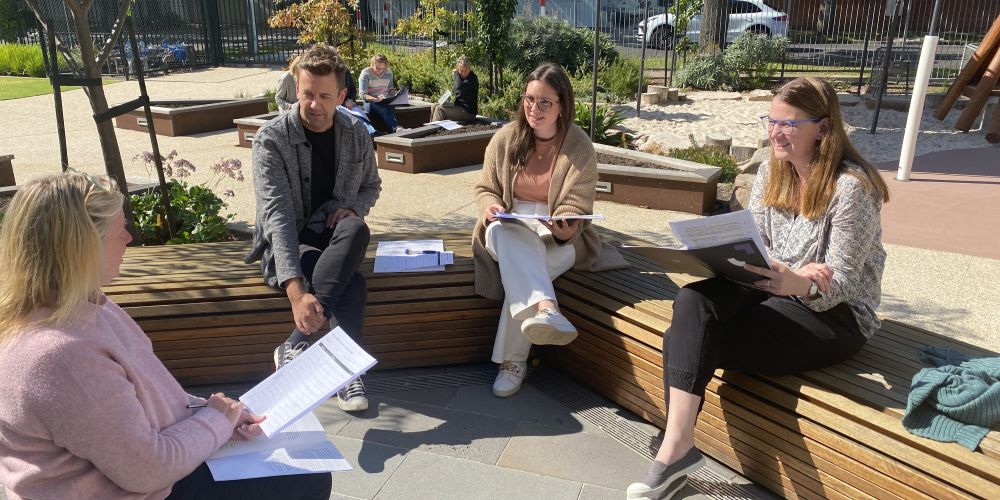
[
  {"x": 212, "y": 319},
  {"x": 831, "y": 433}
]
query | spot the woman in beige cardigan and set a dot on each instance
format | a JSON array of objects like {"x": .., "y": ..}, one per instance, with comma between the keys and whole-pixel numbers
[{"x": 540, "y": 164}]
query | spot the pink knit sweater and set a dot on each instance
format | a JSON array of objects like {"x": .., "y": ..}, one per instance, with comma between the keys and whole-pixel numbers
[{"x": 88, "y": 411}]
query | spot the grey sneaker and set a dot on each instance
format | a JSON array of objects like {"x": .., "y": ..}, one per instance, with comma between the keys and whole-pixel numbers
[
  {"x": 352, "y": 397},
  {"x": 286, "y": 352}
]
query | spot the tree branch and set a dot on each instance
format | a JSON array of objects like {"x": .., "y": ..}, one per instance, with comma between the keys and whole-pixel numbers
[{"x": 116, "y": 31}]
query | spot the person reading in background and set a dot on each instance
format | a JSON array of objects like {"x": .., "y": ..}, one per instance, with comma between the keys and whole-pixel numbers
[
  {"x": 465, "y": 93},
  {"x": 817, "y": 205},
  {"x": 539, "y": 164},
  {"x": 375, "y": 83},
  {"x": 88, "y": 409}
]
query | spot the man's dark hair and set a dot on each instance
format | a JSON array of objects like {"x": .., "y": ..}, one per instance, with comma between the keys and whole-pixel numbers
[{"x": 321, "y": 60}]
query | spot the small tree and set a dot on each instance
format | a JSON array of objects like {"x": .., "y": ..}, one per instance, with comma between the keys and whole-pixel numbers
[
  {"x": 492, "y": 24},
  {"x": 714, "y": 25},
  {"x": 88, "y": 65},
  {"x": 431, "y": 19},
  {"x": 325, "y": 21}
]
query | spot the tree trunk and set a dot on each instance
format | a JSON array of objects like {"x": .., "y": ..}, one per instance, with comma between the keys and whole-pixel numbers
[
  {"x": 99, "y": 104},
  {"x": 824, "y": 23},
  {"x": 714, "y": 24}
]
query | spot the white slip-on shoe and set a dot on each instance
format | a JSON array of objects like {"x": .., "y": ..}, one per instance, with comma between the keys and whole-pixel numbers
[
  {"x": 668, "y": 482},
  {"x": 548, "y": 327},
  {"x": 509, "y": 378}
]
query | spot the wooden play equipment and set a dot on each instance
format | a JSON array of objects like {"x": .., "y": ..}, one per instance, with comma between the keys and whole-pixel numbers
[{"x": 978, "y": 81}]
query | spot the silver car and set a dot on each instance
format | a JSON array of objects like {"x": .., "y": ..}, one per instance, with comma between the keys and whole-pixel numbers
[{"x": 745, "y": 16}]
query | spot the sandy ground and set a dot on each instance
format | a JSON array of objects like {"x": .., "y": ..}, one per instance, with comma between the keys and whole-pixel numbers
[{"x": 920, "y": 287}]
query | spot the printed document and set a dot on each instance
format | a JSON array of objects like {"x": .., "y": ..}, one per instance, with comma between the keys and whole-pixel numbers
[
  {"x": 547, "y": 218},
  {"x": 446, "y": 124},
  {"x": 308, "y": 380},
  {"x": 399, "y": 98},
  {"x": 444, "y": 97},
  {"x": 301, "y": 448},
  {"x": 412, "y": 256}
]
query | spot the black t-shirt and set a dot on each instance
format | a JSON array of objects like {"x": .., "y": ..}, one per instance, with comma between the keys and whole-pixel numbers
[{"x": 324, "y": 167}]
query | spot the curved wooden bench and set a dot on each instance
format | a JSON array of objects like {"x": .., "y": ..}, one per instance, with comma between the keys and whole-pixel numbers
[
  {"x": 212, "y": 319},
  {"x": 831, "y": 433}
]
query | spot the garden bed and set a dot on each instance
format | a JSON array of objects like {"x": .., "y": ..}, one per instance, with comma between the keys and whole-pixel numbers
[
  {"x": 653, "y": 181},
  {"x": 192, "y": 116},
  {"x": 430, "y": 148},
  {"x": 246, "y": 128}
]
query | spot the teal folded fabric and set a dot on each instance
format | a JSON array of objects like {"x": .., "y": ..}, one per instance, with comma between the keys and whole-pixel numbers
[{"x": 957, "y": 401}]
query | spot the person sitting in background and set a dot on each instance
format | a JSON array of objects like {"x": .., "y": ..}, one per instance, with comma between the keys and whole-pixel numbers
[
  {"x": 539, "y": 164},
  {"x": 376, "y": 85},
  {"x": 88, "y": 410},
  {"x": 465, "y": 92},
  {"x": 817, "y": 205},
  {"x": 285, "y": 96}
]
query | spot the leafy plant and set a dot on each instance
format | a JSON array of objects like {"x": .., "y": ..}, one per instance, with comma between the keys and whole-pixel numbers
[
  {"x": 504, "y": 102},
  {"x": 539, "y": 39},
  {"x": 431, "y": 19},
  {"x": 754, "y": 57},
  {"x": 491, "y": 21},
  {"x": 709, "y": 156},
  {"x": 605, "y": 123},
  {"x": 707, "y": 71},
  {"x": 327, "y": 21},
  {"x": 21, "y": 60},
  {"x": 196, "y": 208},
  {"x": 419, "y": 73},
  {"x": 621, "y": 80}
]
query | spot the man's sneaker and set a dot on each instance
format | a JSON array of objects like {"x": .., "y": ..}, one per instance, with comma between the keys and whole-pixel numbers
[
  {"x": 286, "y": 352},
  {"x": 548, "y": 327},
  {"x": 352, "y": 397},
  {"x": 509, "y": 378}
]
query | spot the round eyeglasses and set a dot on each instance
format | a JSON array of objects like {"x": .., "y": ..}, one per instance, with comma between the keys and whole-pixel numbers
[
  {"x": 787, "y": 127},
  {"x": 542, "y": 103}
]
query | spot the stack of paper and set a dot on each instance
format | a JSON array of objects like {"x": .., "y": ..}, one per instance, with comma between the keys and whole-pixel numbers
[
  {"x": 548, "y": 218},
  {"x": 446, "y": 124},
  {"x": 411, "y": 256}
]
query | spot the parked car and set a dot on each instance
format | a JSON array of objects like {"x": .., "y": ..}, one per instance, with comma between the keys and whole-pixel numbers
[{"x": 745, "y": 16}]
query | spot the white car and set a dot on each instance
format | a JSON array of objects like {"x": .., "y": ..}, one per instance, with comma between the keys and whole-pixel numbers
[{"x": 753, "y": 16}]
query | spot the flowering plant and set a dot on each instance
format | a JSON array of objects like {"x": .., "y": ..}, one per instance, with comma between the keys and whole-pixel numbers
[{"x": 195, "y": 207}]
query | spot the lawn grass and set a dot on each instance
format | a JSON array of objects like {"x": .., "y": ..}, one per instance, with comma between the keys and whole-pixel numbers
[{"x": 13, "y": 87}]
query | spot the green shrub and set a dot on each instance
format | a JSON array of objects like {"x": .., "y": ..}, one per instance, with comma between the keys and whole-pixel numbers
[
  {"x": 620, "y": 80},
  {"x": 537, "y": 40},
  {"x": 707, "y": 71},
  {"x": 21, "y": 60},
  {"x": 195, "y": 207},
  {"x": 605, "y": 122},
  {"x": 754, "y": 57},
  {"x": 505, "y": 101},
  {"x": 709, "y": 156},
  {"x": 420, "y": 75}
]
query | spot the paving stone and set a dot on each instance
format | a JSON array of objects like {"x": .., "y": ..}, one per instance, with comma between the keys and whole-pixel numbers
[
  {"x": 425, "y": 475},
  {"x": 373, "y": 465},
  {"x": 591, "y": 492},
  {"x": 331, "y": 416},
  {"x": 412, "y": 426},
  {"x": 433, "y": 397},
  {"x": 582, "y": 457},
  {"x": 528, "y": 405}
]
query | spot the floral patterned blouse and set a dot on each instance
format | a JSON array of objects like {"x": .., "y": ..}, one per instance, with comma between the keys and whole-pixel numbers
[{"x": 848, "y": 238}]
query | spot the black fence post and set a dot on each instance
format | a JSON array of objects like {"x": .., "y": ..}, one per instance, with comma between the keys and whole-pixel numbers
[{"x": 213, "y": 38}]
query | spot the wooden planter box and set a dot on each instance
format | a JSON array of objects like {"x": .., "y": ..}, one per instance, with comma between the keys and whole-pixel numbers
[
  {"x": 192, "y": 116},
  {"x": 686, "y": 187},
  {"x": 247, "y": 127},
  {"x": 411, "y": 151}
]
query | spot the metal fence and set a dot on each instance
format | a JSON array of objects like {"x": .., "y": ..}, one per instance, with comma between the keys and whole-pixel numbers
[{"x": 842, "y": 39}]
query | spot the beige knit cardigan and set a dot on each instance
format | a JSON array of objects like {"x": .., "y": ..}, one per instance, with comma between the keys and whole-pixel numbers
[{"x": 571, "y": 191}]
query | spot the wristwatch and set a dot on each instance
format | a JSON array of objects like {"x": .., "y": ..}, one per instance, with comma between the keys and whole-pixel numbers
[{"x": 813, "y": 289}]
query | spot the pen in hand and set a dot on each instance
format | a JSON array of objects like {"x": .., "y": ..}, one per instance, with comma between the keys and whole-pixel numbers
[{"x": 199, "y": 405}]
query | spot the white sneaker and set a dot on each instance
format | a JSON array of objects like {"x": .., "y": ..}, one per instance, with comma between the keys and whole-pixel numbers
[
  {"x": 509, "y": 378},
  {"x": 549, "y": 327},
  {"x": 353, "y": 397}
]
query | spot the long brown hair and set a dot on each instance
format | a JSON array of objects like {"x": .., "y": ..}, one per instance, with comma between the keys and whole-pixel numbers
[
  {"x": 524, "y": 139},
  {"x": 833, "y": 150}
]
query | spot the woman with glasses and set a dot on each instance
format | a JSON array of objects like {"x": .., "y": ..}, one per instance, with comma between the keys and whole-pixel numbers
[
  {"x": 817, "y": 205},
  {"x": 88, "y": 410},
  {"x": 376, "y": 86},
  {"x": 539, "y": 164}
]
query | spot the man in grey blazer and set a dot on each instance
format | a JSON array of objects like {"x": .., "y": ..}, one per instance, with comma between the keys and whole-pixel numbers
[{"x": 315, "y": 179}]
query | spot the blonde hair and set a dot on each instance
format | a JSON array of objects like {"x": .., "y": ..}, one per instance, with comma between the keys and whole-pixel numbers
[
  {"x": 380, "y": 58},
  {"x": 320, "y": 60},
  {"x": 818, "y": 98},
  {"x": 51, "y": 245}
]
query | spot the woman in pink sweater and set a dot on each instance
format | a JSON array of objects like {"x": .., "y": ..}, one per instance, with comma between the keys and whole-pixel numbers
[{"x": 88, "y": 410}]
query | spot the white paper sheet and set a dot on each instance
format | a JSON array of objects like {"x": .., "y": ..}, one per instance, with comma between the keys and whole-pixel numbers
[
  {"x": 719, "y": 230},
  {"x": 311, "y": 378},
  {"x": 444, "y": 97},
  {"x": 504, "y": 215},
  {"x": 301, "y": 448},
  {"x": 402, "y": 97},
  {"x": 412, "y": 256}
]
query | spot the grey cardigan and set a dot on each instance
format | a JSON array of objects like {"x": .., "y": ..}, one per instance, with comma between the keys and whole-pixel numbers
[{"x": 282, "y": 167}]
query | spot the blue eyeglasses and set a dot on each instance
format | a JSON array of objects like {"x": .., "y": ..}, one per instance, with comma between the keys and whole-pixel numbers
[{"x": 787, "y": 127}]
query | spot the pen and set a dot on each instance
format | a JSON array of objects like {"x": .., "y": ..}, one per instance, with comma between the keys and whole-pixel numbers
[
  {"x": 418, "y": 252},
  {"x": 199, "y": 405}
]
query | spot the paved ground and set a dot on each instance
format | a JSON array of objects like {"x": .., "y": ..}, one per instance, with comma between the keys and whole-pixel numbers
[{"x": 460, "y": 442}]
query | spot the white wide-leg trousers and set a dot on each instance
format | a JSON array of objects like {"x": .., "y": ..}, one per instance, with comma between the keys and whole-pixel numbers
[{"x": 527, "y": 267}]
